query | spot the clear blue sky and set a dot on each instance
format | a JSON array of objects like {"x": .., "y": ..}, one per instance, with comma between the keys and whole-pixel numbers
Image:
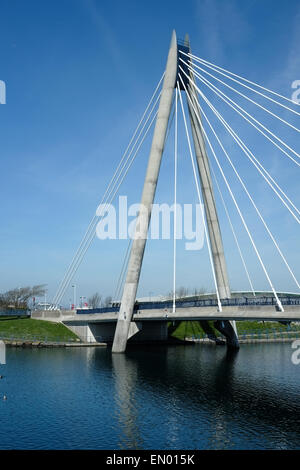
[{"x": 79, "y": 74}]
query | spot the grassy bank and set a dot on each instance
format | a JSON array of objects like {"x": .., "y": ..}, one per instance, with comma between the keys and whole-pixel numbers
[
  {"x": 29, "y": 329},
  {"x": 41, "y": 330},
  {"x": 190, "y": 329}
]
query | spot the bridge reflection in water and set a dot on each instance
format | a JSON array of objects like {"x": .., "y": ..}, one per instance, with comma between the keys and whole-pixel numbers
[
  {"x": 176, "y": 397},
  {"x": 202, "y": 397}
]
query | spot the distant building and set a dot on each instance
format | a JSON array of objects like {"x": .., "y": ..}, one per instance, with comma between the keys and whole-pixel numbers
[{"x": 42, "y": 306}]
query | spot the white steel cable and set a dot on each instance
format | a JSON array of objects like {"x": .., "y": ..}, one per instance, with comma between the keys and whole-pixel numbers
[
  {"x": 91, "y": 236},
  {"x": 261, "y": 169},
  {"x": 92, "y": 233},
  {"x": 215, "y": 69},
  {"x": 200, "y": 201},
  {"x": 126, "y": 259},
  {"x": 118, "y": 167},
  {"x": 109, "y": 189},
  {"x": 123, "y": 269},
  {"x": 234, "y": 200},
  {"x": 111, "y": 181},
  {"x": 257, "y": 164},
  {"x": 243, "y": 78},
  {"x": 245, "y": 188},
  {"x": 221, "y": 94},
  {"x": 175, "y": 202},
  {"x": 233, "y": 232},
  {"x": 247, "y": 98}
]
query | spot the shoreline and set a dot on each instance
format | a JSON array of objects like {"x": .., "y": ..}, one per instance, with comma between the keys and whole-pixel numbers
[
  {"x": 209, "y": 342},
  {"x": 202, "y": 341},
  {"x": 42, "y": 344}
]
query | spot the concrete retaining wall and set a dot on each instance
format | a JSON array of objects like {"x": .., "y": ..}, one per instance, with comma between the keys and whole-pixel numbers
[{"x": 51, "y": 315}]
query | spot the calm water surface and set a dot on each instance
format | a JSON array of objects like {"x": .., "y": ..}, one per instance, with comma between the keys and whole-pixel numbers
[{"x": 179, "y": 397}]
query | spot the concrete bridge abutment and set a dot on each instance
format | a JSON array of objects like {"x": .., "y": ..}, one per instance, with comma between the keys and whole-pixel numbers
[{"x": 139, "y": 332}]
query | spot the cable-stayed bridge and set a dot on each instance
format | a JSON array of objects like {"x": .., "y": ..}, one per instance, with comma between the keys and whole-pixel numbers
[{"x": 189, "y": 75}]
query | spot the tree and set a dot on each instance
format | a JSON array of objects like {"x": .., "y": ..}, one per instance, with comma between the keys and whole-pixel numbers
[
  {"x": 19, "y": 296},
  {"x": 107, "y": 301},
  {"x": 199, "y": 291},
  {"x": 95, "y": 300},
  {"x": 182, "y": 292}
]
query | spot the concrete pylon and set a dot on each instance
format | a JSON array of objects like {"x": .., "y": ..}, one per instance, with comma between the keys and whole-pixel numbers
[
  {"x": 212, "y": 220},
  {"x": 143, "y": 220}
]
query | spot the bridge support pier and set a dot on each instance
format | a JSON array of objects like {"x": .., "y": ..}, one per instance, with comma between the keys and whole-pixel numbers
[
  {"x": 142, "y": 224},
  {"x": 226, "y": 329},
  {"x": 210, "y": 208},
  {"x": 210, "y": 332},
  {"x": 139, "y": 332}
]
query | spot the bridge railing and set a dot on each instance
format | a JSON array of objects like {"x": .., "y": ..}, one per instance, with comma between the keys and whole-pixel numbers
[
  {"x": 15, "y": 312},
  {"x": 236, "y": 301}
]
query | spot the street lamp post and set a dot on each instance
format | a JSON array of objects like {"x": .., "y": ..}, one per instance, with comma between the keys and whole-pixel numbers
[{"x": 74, "y": 295}]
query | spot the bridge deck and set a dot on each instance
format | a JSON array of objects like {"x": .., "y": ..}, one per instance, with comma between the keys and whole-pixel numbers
[{"x": 245, "y": 312}]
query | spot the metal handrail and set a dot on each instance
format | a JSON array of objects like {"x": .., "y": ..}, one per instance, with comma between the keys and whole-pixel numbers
[{"x": 181, "y": 303}]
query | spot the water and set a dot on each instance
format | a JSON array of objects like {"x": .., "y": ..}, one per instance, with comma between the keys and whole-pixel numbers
[{"x": 179, "y": 397}]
